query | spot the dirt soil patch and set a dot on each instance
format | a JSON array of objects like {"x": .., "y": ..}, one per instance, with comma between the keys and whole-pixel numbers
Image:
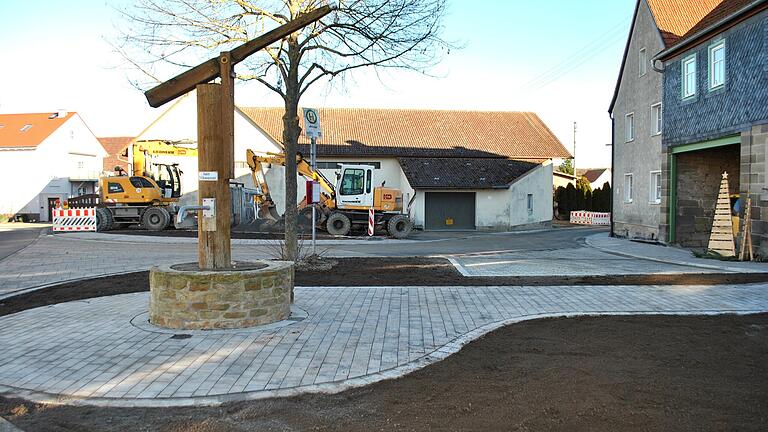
[
  {"x": 579, "y": 374},
  {"x": 354, "y": 272}
]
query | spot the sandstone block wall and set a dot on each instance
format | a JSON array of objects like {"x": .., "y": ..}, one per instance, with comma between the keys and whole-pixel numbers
[{"x": 197, "y": 300}]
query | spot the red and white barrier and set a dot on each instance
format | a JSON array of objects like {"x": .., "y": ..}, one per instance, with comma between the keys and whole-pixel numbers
[
  {"x": 370, "y": 222},
  {"x": 590, "y": 218},
  {"x": 81, "y": 219}
]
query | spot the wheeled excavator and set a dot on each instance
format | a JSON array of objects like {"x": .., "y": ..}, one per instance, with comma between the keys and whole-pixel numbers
[
  {"x": 147, "y": 196},
  {"x": 342, "y": 205}
]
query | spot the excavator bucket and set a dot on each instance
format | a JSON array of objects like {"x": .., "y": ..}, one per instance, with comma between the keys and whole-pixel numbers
[{"x": 268, "y": 212}]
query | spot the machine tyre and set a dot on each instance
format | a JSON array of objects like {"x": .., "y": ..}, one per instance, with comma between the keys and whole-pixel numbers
[
  {"x": 155, "y": 219},
  {"x": 399, "y": 227},
  {"x": 104, "y": 219},
  {"x": 338, "y": 224},
  {"x": 304, "y": 219}
]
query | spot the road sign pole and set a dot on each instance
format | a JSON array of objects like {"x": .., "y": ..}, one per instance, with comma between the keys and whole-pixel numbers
[{"x": 313, "y": 163}]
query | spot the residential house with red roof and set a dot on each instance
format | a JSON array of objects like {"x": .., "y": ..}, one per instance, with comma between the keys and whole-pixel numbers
[
  {"x": 715, "y": 95},
  {"x": 638, "y": 114},
  {"x": 115, "y": 148},
  {"x": 460, "y": 170},
  {"x": 45, "y": 157},
  {"x": 457, "y": 169},
  {"x": 596, "y": 177}
]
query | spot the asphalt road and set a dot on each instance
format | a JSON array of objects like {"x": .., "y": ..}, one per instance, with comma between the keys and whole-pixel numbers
[
  {"x": 13, "y": 239},
  {"x": 477, "y": 243}
]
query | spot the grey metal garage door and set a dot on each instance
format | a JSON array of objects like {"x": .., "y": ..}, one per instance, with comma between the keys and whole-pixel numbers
[{"x": 449, "y": 211}]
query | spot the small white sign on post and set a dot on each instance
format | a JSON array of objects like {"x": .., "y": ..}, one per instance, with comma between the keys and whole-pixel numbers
[
  {"x": 208, "y": 176},
  {"x": 312, "y": 123}
]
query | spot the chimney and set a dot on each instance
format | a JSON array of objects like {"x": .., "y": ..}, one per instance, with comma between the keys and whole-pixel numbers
[{"x": 61, "y": 113}]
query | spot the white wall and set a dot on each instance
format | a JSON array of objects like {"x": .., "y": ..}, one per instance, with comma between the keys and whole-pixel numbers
[
  {"x": 600, "y": 181},
  {"x": 35, "y": 175},
  {"x": 504, "y": 209},
  {"x": 179, "y": 123}
]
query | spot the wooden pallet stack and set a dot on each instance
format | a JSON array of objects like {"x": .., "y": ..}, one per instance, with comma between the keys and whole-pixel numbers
[{"x": 721, "y": 239}]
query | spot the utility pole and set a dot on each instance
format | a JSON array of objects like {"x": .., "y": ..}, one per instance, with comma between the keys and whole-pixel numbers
[{"x": 574, "y": 148}]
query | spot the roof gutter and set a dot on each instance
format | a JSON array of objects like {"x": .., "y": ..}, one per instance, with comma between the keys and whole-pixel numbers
[{"x": 727, "y": 22}]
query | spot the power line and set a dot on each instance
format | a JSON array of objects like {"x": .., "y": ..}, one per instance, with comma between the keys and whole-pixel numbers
[{"x": 578, "y": 58}]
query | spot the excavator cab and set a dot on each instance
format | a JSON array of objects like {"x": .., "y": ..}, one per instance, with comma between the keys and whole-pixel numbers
[
  {"x": 355, "y": 187},
  {"x": 168, "y": 178}
]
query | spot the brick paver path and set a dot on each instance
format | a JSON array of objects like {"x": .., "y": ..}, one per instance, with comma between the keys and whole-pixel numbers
[{"x": 92, "y": 352}]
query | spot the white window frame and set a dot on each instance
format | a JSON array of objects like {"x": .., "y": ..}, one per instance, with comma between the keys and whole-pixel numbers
[
  {"x": 629, "y": 127},
  {"x": 655, "y": 186},
  {"x": 656, "y": 119},
  {"x": 629, "y": 192},
  {"x": 714, "y": 47},
  {"x": 642, "y": 62},
  {"x": 689, "y": 93}
]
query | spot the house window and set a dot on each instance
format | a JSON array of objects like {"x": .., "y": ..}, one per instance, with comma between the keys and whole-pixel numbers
[
  {"x": 689, "y": 76},
  {"x": 629, "y": 193},
  {"x": 26, "y": 127},
  {"x": 656, "y": 118},
  {"x": 717, "y": 65},
  {"x": 629, "y": 127},
  {"x": 80, "y": 164},
  {"x": 655, "y": 188},
  {"x": 529, "y": 203},
  {"x": 643, "y": 62}
]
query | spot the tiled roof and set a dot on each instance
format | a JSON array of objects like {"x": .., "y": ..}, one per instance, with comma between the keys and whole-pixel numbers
[
  {"x": 28, "y": 130},
  {"x": 423, "y": 133},
  {"x": 723, "y": 10},
  {"x": 675, "y": 18},
  {"x": 114, "y": 147},
  {"x": 591, "y": 174},
  {"x": 463, "y": 173}
]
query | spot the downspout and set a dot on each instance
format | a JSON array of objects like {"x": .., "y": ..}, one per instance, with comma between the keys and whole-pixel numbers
[{"x": 613, "y": 168}]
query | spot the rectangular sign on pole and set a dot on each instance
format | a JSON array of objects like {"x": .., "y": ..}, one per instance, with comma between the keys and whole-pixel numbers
[{"x": 312, "y": 123}]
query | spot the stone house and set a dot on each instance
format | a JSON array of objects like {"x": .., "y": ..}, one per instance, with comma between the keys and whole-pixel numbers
[
  {"x": 637, "y": 114},
  {"x": 45, "y": 158},
  {"x": 715, "y": 80}
]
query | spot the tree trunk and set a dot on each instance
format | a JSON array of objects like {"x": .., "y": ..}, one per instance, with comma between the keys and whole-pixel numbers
[{"x": 291, "y": 132}]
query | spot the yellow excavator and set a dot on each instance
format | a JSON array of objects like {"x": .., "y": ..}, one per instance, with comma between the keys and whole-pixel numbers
[
  {"x": 148, "y": 196},
  {"x": 342, "y": 205}
]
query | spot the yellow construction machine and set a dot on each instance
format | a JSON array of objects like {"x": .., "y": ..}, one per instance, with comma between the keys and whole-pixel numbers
[
  {"x": 148, "y": 196},
  {"x": 342, "y": 205}
]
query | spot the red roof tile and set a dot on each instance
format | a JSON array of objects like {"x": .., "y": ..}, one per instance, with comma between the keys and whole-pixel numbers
[
  {"x": 114, "y": 147},
  {"x": 675, "y": 18},
  {"x": 28, "y": 130},
  {"x": 423, "y": 133}
]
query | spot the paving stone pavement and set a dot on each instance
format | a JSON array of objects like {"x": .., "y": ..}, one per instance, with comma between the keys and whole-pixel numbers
[
  {"x": 52, "y": 259},
  {"x": 89, "y": 352},
  {"x": 583, "y": 261}
]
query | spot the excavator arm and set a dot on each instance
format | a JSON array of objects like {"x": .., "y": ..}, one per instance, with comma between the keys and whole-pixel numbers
[{"x": 264, "y": 201}]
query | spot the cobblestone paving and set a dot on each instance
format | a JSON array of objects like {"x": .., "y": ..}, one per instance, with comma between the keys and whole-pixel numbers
[
  {"x": 90, "y": 351},
  {"x": 54, "y": 259},
  {"x": 583, "y": 261}
]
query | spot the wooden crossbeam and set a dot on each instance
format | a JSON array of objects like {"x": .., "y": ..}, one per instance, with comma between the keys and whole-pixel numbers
[{"x": 209, "y": 70}]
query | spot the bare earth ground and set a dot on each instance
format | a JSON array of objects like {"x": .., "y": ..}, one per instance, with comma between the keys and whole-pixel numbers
[
  {"x": 578, "y": 374},
  {"x": 590, "y": 373}
]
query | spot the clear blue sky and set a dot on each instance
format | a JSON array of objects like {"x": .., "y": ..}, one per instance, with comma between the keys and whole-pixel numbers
[{"x": 558, "y": 58}]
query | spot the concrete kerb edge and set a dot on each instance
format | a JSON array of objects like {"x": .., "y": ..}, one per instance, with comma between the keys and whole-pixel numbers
[
  {"x": 435, "y": 356},
  {"x": 590, "y": 243}
]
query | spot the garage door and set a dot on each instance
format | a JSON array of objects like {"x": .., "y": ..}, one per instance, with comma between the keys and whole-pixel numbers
[{"x": 449, "y": 211}]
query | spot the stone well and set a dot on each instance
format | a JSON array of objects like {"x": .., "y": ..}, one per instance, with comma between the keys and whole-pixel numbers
[{"x": 249, "y": 294}]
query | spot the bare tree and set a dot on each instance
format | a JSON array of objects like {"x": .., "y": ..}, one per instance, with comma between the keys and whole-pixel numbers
[{"x": 359, "y": 33}]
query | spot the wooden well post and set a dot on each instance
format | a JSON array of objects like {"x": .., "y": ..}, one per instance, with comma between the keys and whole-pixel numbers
[{"x": 215, "y": 127}]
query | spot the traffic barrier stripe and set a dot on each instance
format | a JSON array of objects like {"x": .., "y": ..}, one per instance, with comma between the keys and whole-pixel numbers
[{"x": 74, "y": 219}]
